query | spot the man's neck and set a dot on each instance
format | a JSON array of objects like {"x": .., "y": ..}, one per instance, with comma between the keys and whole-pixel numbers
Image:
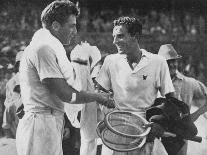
[
  {"x": 56, "y": 35},
  {"x": 134, "y": 57}
]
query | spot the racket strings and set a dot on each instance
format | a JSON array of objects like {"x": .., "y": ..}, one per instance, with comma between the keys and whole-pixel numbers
[
  {"x": 126, "y": 124},
  {"x": 123, "y": 131},
  {"x": 121, "y": 143}
]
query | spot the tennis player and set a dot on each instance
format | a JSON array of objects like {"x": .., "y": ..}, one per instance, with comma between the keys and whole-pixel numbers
[
  {"x": 46, "y": 76},
  {"x": 135, "y": 76}
]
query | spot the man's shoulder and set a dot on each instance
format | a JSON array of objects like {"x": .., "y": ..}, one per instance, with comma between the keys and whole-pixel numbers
[
  {"x": 152, "y": 56},
  {"x": 112, "y": 57},
  {"x": 190, "y": 81},
  {"x": 41, "y": 49},
  {"x": 156, "y": 59}
]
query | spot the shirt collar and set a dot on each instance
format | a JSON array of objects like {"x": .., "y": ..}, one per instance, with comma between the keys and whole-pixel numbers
[
  {"x": 144, "y": 61},
  {"x": 179, "y": 75},
  {"x": 145, "y": 54}
]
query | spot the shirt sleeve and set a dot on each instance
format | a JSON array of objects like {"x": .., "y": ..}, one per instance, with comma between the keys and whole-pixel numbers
[
  {"x": 46, "y": 63},
  {"x": 104, "y": 78},
  {"x": 200, "y": 90},
  {"x": 165, "y": 84},
  {"x": 8, "y": 99}
]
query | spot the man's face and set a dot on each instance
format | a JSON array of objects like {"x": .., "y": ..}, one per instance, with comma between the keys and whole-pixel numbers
[
  {"x": 122, "y": 39},
  {"x": 68, "y": 30},
  {"x": 173, "y": 65}
]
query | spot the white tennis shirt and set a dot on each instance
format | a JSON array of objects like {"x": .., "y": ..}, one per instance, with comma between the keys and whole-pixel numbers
[{"x": 135, "y": 89}]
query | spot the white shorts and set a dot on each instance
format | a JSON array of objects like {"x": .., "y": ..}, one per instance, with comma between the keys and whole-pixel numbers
[{"x": 40, "y": 134}]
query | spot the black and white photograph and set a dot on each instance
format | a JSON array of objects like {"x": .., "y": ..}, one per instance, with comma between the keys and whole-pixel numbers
[{"x": 103, "y": 77}]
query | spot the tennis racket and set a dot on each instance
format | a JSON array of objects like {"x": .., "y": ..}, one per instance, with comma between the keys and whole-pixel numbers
[
  {"x": 118, "y": 142},
  {"x": 127, "y": 124},
  {"x": 124, "y": 131}
]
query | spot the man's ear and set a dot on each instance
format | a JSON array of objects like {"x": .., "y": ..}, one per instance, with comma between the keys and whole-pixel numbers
[{"x": 55, "y": 26}]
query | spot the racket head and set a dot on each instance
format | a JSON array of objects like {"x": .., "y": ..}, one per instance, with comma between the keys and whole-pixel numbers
[
  {"x": 127, "y": 124},
  {"x": 121, "y": 143},
  {"x": 101, "y": 125}
]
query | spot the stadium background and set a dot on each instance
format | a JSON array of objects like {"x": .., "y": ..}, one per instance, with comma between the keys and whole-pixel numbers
[{"x": 182, "y": 23}]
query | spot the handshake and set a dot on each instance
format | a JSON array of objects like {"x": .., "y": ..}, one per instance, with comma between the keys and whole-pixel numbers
[{"x": 106, "y": 100}]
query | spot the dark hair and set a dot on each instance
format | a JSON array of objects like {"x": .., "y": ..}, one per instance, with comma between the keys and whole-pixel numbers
[
  {"x": 133, "y": 25},
  {"x": 59, "y": 11}
]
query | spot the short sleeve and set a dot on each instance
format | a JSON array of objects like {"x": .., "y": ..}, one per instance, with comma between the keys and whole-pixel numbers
[
  {"x": 103, "y": 77},
  {"x": 46, "y": 63},
  {"x": 200, "y": 90},
  {"x": 164, "y": 82}
]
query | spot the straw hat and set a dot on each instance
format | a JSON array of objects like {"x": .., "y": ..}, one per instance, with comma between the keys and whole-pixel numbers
[{"x": 168, "y": 52}]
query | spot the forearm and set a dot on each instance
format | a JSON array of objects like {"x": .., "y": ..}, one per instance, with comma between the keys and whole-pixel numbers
[
  {"x": 195, "y": 115},
  {"x": 68, "y": 94},
  {"x": 87, "y": 97}
]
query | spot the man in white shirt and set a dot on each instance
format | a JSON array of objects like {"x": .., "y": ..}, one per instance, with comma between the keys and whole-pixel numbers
[
  {"x": 134, "y": 75},
  {"x": 12, "y": 102},
  {"x": 46, "y": 79}
]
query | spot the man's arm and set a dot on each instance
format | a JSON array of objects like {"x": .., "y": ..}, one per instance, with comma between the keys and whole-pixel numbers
[
  {"x": 165, "y": 84},
  {"x": 200, "y": 92},
  {"x": 65, "y": 92},
  {"x": 195, "y": 115},
  {"x": 51, "y": 76}
]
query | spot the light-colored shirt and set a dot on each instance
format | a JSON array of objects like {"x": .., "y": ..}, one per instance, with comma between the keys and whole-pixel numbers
[
  {"x": 188, "y": 89},
  {"x": 83, "y": 81},
  {"x": 135, "y": 89},
  {"x": 12, "y": 98},
  {"x": 45, "y": 57}
]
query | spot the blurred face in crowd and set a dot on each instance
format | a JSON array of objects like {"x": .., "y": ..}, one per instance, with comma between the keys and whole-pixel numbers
[
  {"x": 66, "y": 31},
  {"x": 173, "y": 65},
  {"x": 123, "y": 41}
]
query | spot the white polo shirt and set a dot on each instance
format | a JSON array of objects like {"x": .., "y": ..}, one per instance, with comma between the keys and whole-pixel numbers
[
  {"x": 135, "y": 89},
  {"x": 45, "y": 57}
]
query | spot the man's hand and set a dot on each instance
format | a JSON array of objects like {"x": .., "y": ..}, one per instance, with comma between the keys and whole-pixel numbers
[
  {"x": 66, "y": 134},
  {"x": 156, "y": 131},
  {"x": 106, "y": 100}
]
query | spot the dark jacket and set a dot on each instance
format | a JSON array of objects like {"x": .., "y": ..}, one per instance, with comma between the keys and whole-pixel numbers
[{"x": 174, "y": 116}]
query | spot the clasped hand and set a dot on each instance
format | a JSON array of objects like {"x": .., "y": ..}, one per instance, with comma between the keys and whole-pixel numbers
[{"x": 107, "y": 100}]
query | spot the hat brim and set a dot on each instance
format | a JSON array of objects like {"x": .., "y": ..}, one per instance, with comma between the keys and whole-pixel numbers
[{"x": 177, "y": 57}]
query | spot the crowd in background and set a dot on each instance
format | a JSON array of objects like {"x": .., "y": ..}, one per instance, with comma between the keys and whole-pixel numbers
[
  {"x": 18, "y": 23},
  {"x": 26, "y": 18}
]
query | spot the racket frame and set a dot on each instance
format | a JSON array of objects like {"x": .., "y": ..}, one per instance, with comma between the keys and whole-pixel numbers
[{"x": 110, "y": 127}]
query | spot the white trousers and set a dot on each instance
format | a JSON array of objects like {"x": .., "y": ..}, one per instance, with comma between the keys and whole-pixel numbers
[
  {"x": 88, "y": 147},
  {"x": 40, "y": 134}
]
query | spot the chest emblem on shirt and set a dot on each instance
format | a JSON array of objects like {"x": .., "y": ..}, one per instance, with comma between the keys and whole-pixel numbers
[{"x": 144, "y": 77}]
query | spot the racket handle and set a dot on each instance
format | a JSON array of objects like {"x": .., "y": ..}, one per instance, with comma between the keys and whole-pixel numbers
[{"x": 196, "y": 139}]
